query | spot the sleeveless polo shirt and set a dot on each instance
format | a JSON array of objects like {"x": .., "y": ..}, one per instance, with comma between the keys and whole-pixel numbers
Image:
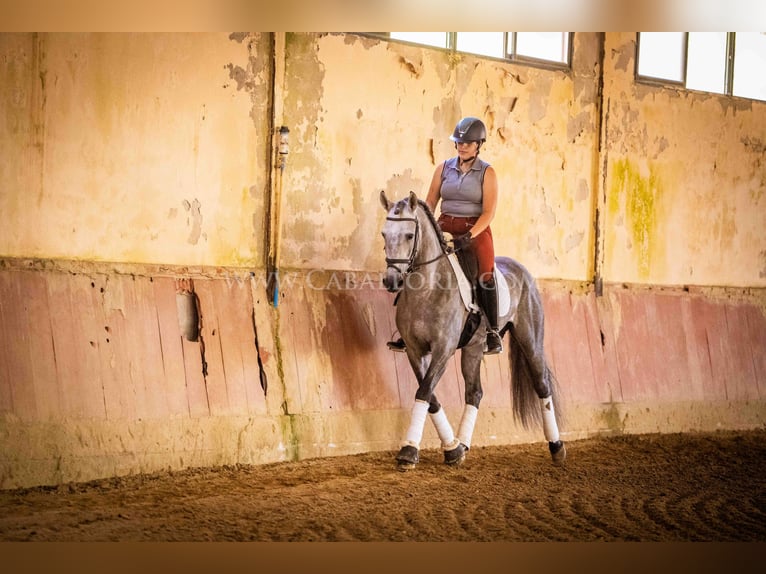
[{"x": 461, "y": 194}]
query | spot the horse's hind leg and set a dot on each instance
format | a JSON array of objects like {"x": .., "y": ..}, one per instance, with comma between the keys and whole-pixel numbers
[
  {"x": 528, "y": 337},
  {"x": 551, "y": 430}
]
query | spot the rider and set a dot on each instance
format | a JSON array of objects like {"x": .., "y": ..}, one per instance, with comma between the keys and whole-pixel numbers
[{"x": 467, "y": 187}]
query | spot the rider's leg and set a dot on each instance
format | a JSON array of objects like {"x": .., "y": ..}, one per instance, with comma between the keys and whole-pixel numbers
[
  {"x": 487, "y": 290},
  {"x": 488, "y": 300}
]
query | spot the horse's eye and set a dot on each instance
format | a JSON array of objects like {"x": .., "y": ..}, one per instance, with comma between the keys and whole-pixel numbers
[{"x": 410, "y": 236}]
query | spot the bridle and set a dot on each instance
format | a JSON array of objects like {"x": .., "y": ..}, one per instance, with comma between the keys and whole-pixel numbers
[{"x": 410, "y": 260}]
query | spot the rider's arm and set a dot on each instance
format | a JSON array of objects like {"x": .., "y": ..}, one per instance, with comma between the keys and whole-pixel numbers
[
  {"x": 488, "y": 202},
  {"x": 434, "y": 191}
]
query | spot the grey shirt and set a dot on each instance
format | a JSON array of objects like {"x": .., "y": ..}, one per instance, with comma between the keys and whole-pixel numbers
[{"x": 461, "y": 193}]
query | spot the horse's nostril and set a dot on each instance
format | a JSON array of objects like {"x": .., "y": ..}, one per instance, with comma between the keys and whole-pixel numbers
[{"x": 392, "y": 282}]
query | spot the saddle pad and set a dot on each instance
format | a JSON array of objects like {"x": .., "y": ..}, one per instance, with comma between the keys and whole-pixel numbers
[
  {"x": 503, "y": 294},
  {"x": 466, "y": 292},
  {"x": 464, "y": 285}
]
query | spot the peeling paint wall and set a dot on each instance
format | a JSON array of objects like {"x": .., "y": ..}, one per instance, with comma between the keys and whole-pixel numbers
[
  {"x": 156, "y": 149},
  {"x": 685, "y": 181},
  {"x": 147, "y": 148},
  {"x": 370, "y": 115},
  {"x": 137, "y": 167}
]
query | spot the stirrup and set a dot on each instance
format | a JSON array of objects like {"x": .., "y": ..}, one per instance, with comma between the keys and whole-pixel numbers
[
  {"x": 494, "y": 343},
  {"x": 397, "y": 345}
]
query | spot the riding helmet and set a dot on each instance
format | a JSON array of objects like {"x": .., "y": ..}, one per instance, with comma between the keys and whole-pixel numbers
[{"x": 469, "y": 129}]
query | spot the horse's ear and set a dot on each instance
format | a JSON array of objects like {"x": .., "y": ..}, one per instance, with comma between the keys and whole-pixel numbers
[
  {"x": 387, "y": 205},
  {"x": 413, "y": 201}
]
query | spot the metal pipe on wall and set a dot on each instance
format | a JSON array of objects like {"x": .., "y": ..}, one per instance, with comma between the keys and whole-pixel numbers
[{"x": 278, "y": 155}]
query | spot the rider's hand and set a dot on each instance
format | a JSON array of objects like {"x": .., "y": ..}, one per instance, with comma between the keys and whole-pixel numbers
[{"x": 462, "y": 241}]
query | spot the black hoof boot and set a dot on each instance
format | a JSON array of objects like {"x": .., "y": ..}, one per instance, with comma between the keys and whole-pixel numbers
[
  {"x": 407, "y": 458},
  {"x": 558, "y": 452},
  {"x": 456, "y": 456}
]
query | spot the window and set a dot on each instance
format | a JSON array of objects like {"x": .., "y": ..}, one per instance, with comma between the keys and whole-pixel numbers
[
  {"x": 438, "y": 39},
  {"x": 662, "y": 55},
  {"x": 749, "y": 79},
  {"x": 720, "y": 62},
  {"x": 551, "y": 48}
]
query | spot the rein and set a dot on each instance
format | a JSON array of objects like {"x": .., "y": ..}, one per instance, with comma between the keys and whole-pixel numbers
[{"x": 410, "y": 261}]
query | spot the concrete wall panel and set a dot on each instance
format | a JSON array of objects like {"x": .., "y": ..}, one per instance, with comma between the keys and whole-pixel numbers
[
  {"x": 128, "y": 383},
  {"x": 134, "y": 147},
  {"x": 684, "y": 181}
]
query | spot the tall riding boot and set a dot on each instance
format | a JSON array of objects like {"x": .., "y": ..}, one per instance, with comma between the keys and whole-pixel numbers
[{"x": 488, "y": 301}]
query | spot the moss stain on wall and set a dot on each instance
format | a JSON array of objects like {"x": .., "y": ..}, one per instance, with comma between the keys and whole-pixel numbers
[{"x": 637, "y": 195}]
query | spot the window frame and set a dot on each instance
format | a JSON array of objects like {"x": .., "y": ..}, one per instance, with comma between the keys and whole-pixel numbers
[
  {"x": 654, "y": 80},
  {"x": 728, "y": 91},
  {"x": 513, "y": 58}
]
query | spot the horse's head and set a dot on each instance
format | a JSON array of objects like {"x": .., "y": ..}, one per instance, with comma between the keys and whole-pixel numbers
[{"x": 400, "y": 233}]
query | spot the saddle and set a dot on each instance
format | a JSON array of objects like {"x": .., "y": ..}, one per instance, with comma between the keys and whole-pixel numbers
[{"x": 466, "y": 268}]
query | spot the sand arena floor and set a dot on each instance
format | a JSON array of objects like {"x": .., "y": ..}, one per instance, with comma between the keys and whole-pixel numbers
[{"x": 677, "y": 487}]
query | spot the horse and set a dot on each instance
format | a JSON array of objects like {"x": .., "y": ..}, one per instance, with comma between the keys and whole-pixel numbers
[{"x": 430, "y": 317}]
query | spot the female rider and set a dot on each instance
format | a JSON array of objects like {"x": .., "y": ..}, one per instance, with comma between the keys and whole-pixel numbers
[{"x": 467, "y": 188}]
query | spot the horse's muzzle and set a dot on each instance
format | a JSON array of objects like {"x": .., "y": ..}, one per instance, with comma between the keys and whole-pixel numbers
[{"x": 393, "y": 280}]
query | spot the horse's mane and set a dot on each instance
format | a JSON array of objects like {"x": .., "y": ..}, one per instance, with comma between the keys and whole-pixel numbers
[{"x": 432, "y": 219}]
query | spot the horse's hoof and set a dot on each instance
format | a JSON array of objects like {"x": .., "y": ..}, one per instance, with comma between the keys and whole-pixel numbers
[
  {"x": 456, "y": 456},
  {"x": 558, "y": 452},
  {"x": 407, "y": 458}
]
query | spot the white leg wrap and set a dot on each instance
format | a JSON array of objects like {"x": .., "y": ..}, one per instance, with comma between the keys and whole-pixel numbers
[
  {"x": 465, "y": 431},
  {"x": 417, "y": 422},
  {"x": 444, "y": 429},
  {"x": 550, "y": 428}
]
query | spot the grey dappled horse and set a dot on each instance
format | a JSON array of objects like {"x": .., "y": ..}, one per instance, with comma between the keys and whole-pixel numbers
[{"x": 430, "y": 316}]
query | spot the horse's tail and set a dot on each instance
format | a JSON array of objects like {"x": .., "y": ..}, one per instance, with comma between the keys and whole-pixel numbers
[{"x": 526, "y": 402}]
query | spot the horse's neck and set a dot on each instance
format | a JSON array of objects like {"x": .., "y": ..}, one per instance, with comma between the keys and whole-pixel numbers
[
  {"x": 430, "y": 245},
  {"x": 431, "y": 260}
]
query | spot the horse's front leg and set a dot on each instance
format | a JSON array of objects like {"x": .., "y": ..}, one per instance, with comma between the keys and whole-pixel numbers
[
  {"x": 470, "y": 366},
  {"x": 408, "y": 455},
  {"x": 444, "y": 429}
]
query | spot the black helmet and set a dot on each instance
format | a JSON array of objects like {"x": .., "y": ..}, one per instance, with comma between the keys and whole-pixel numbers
[{"x": 469, "y": 130}]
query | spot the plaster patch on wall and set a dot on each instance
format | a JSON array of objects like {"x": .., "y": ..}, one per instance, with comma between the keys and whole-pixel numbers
[
  {"x": 414, "y": 68},
  {"x": 538, "y": 100},
  {"x": 193, "y": 219},
  {"x": 725, "y": 227},
  {"x": 662, "y": 145},
  {"x": 578, "y": 124},
  {"x": 546, "y": 256},
  {"x": 400, "y": 184},
  {"x": 583, "y": 191},
  {"x": 548, "y": 216},
  {"x": 624, "y": 55},
  {"x": 762, "y": 257},
  {"x": 444, "y": 118},
  {"x": 306, "y": 194},
  {"x": 573, "y": 240},
  {"x": 238, "y": 36},
  {"x": 255, "y": 77},
  {"x": 353, "y": 246}
]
